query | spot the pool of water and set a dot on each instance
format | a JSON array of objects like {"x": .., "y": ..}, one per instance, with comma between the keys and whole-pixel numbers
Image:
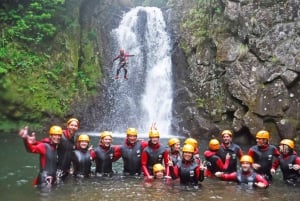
[{"x": 18, "y": 168}]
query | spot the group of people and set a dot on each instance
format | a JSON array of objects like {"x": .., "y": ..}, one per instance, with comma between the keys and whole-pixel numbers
[{"x": 64, "y": 153}]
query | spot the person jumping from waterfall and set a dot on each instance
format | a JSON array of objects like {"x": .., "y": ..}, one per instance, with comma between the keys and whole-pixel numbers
[{"x": 122, "y": 63}]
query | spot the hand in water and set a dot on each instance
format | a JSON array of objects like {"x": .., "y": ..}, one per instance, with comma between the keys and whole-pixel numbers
[
  {"x": 260, "y": 184},
  {"x": 272, "y": 171}
]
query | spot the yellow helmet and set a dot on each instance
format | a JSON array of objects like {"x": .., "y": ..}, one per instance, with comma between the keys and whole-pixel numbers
[
  {"x": 153, "y": 133},
  {"x": 192, "y": 142},
  {"x": 173, "y": 141},
  {"x": 131, "y": 131},
  {"x": 246, "y": 158},
  {"x": 288, "y": 142},
  {"x": 158, "y": 167},
  {"x": 228, "y": 132},
  {"x": 263, "y": 134},
  {"x": 188, "y": 148},
  {"x": 55, "y": 130},
  {"x": 83, "y": 137},
  {"x": 73, "y": 119},
  {"x": 105, "y": 133},
  {"x": 214, "y": 144}
]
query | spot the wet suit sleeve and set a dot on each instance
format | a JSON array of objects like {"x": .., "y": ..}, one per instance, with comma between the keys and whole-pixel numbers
[
  {"x": 166, "y": 162},
  {"x": 199, "y": 173},
  {"x": 38, "y": 148},
  {"x": 144, "y": 160},
  {"x": 117, "y": 57},
  {"x": 221, "y": 165},
  {"x": 259, "y": 178},
  {"x": 240, "y": 153},
  {"x": 174, "y": 171},
  {"x": 251, "y": 152},
  {"x": 117, "y": 153},
  {"x": 92, "y": 154},
  {"x": 276, "y": 161},
  {"x": 229, "y": 177}
]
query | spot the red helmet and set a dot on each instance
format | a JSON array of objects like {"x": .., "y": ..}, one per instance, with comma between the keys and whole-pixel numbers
[{"x": 121, "y": 51}]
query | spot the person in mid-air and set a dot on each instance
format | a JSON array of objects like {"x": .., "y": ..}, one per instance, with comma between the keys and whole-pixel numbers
[{"x": 122, "y": 56}]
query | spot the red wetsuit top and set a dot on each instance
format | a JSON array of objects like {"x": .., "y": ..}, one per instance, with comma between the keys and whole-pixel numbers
[
  {"x": 145, "y": 158},
  {"x": 123, "y": 58},
  {"x": 260, "y": 154},
  {"x": 215, "y": 163},
  {"x": 234, "y": 177},
  {"x": 48, "y": 154}
]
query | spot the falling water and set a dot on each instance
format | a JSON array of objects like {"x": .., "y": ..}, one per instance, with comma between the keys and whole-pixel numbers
[{"x": 147, "y": 96}]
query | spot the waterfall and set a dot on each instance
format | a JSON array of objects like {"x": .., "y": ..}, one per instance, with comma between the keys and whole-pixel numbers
[{"x": 147, "y": 96}]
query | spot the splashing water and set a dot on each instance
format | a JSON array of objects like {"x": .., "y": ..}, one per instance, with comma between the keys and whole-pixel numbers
[{"x": 147, "y": 96}]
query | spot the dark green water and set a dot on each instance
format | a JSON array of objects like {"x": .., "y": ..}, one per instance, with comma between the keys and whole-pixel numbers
[{"x": 18, "y": 168}]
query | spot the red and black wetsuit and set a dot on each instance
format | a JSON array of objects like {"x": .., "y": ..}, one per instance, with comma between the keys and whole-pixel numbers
[
  {"x": 65, "y": 150},
  {"x": 122, "y": 62},
  {"x": 264, "y": 157},
  {"x": 235, "y": 152},
  {"x": 286, "y": 162},
  {"x": 82, "y": 162},
  {"x": 48, "y": 160},
  {"x": 248, "y": 178},
  {"x": 131, "y": 155},
  {"x": 189, "y": 172},
  {"x": 154, "y": 153},
  {"x": 104, "y": 157},
  {"x": 214, "y": 163}
]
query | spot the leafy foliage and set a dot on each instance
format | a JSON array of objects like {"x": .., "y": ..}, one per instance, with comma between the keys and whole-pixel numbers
[
  {"x": 40, "y": 76},
  {"x": 200, "y": 19}
]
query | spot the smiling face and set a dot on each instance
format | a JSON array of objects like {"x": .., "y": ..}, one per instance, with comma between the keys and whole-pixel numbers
[
  {"x": 83, "y": 144},
  {"x": 226, "y": 139},
  {"x": 176, "y": 147},
  {"x": 73, "y": 127},
  {"x": 55, "y": 138},
  {"x": 246, "y": 166},
  {"x": 187, "y": 156},
  {"x": 154, "y": 140},
  {"x": 106, "y": 141},
  {"x": 132, "y": 139}
]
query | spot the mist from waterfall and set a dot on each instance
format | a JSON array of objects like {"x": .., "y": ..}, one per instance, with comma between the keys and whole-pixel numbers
[{"x": 147, "y": 96}]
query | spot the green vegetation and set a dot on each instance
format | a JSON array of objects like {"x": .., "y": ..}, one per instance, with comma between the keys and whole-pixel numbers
[
  {"x": 40, "y": 73},
  {"x": 200, "y": 19}
]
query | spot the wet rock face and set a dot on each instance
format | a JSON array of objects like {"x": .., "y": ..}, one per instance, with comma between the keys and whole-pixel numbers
[{"x": 246, "y": 76}]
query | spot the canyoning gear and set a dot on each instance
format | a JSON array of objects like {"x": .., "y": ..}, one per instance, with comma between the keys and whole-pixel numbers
[
  {"x": 214, "y": 144},
  {"x": 48, "y": 160},
  {"x": 131, "y": 155},
  {"x": 122, "y": 63},
  {"x": 235, "y": 153},
  {"x": 105, "y": 133},
  {"x": 82, "y": 163},
  {"x": 189, "y": 172},
  {"x": 83, "y": 137},
  {"x": 131, "y": 131},
  {"x": 246, "y": 158},
  {"x": 73, "y": 119},
  {"x": 188, "y": 148},
  {"x": 288, "y": 142},
  {"x": 263, "y": 134},
  {"x": 173, "y": 141},
  {"x": 264, "y": 157},
  {"x": 192, "y": 142},
  {"x": 153, "y": 133},
  {"x": 55, "y": 130},
  {"x": 214, "y": 163},
  {"x": 104, "y": 156},
  {"x": 158, "y": 167},
  {"x": 64, "y": 152},
  {"x": 228, "y": 132},
  {"x": 286, "y": 166}
]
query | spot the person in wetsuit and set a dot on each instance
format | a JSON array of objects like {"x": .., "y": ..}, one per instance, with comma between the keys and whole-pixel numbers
[
  {"x": 47, "y": 149},
  {"x": 122, "y": 56}
]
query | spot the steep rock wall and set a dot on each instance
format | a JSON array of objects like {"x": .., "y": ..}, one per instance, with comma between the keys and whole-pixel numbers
[{"x": 244, "y": 75}]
